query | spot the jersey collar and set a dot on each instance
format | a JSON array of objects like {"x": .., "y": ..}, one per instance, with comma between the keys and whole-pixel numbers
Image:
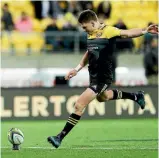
[{"x": 96, "y": 30}]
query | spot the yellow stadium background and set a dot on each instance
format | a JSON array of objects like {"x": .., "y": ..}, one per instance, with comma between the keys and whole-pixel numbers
[{"x": 135, "y": 14}]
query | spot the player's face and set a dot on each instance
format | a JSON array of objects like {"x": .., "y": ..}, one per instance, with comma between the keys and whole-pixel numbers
[{"x": 89, "y": 26}]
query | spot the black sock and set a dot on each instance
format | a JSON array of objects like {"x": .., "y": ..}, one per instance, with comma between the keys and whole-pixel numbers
[
  {"x": 71, "y": 122},
  {"x": 123, "y": 95}
]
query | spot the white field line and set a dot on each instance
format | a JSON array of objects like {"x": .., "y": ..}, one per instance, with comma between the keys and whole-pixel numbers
[{"x": 86, "y": 148}]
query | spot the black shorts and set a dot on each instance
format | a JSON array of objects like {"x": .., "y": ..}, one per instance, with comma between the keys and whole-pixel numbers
[{"x": 99, "y": 88}]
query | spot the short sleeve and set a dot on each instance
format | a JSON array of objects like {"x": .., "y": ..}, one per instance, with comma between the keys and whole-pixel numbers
[{"x": 110, "y": 32}]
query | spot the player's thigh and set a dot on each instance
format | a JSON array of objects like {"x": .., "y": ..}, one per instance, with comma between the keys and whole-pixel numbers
[{"x": 86, "y": 97}]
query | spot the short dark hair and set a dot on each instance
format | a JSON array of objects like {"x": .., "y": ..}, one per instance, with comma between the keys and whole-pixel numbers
[
  {"x": 5, "y": 5},
  {"x": 86, "y": 16}
]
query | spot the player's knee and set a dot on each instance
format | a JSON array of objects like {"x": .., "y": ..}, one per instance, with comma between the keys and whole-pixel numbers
[
  {"x": 106, "y": 97},
  {"x": 100, "y": 99},
  {"x": 79, "y": 107},
  {"x": 103, "y": 98}
]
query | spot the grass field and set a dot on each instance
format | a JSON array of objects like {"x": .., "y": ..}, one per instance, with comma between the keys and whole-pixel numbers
[{"x": 89, "y": 139}]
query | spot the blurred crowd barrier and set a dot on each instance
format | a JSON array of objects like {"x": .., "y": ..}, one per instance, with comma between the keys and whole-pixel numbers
[{"x": 16, "y": 43}]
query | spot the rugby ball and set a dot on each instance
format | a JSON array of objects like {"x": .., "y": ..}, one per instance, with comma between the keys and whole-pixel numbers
[{"x": 15, "y": 136}]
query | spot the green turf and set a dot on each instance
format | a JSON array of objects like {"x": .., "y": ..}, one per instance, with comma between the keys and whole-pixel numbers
[{"x": 89, "y": 139}]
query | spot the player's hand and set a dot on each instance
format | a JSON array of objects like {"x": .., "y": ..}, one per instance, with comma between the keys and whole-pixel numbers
[
  {"x": 153, "y": 29},
  {"x": 70, "y": 74}
]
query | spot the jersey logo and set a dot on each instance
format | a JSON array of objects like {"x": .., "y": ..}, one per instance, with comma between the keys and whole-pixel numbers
[{"x": 99, "y": 34}]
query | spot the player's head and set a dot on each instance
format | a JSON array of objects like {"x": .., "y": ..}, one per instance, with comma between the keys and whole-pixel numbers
[
  {"x": 88, "y": 20},
  {"x": 5, "y": 7}
]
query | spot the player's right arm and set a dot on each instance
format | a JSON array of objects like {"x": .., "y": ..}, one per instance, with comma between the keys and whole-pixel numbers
[
  {"x": 82, "y": 64},
  {"x": 132, "y": 33},
  {"x": 110, "y": 32}
]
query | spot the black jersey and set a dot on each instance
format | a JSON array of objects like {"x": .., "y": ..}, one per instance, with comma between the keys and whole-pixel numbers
[{"x": 100, "y": 46}]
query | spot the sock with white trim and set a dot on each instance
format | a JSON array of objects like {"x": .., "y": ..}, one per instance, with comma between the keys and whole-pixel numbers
[
  {"x": 71, "y": 122},
  {"x": 123, "y": 95}
]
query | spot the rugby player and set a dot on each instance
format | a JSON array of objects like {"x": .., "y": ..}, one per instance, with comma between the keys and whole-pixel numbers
[{"x": 100, "y": 46}]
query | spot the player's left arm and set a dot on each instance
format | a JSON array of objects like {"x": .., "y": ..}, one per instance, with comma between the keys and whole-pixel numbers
[{"x": 132, "y": 33}]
